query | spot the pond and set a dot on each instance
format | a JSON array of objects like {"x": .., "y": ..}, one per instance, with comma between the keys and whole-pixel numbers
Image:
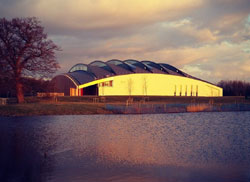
[{"x": 191, "y": 147}]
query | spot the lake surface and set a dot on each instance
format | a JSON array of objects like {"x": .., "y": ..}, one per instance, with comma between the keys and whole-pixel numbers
[{"x": 138, "y": 148}]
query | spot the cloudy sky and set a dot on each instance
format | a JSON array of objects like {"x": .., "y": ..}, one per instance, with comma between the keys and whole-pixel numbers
[{"x": 209, "y": 39}]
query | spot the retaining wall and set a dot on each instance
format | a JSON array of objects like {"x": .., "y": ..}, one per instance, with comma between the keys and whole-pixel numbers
[{"x": 175, "y": 108}]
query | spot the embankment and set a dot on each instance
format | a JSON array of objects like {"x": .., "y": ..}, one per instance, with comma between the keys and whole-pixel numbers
[
  {"x": 121, "y": 105},
  {"x": 175, "y": 108}
]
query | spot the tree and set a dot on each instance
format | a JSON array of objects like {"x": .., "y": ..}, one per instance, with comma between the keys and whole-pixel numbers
[
  {"x": 234, "y": 87},
  {"x": 25, "y": 51}
]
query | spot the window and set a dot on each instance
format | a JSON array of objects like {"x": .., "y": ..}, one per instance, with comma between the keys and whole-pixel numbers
[{"x": 106, "y": 84}]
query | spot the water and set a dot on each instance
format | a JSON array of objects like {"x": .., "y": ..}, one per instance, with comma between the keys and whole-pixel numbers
[{"x": 137, "y": 148}]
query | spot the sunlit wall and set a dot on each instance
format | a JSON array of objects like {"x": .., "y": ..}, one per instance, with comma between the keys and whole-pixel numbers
[{"x": 153, "y": 84}]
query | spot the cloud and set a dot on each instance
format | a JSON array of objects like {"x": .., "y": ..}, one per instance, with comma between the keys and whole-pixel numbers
[
  {"x": 187, "y": 29},
  {"x": 96, "y": 14},
  {"x": 204, "y": 38},
  {"x": 209, "y": 62},
  {"x": 226, "y": 17},
  {"x": 221, "y": 62}
]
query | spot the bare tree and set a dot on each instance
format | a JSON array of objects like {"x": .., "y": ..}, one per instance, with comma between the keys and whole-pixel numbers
[
  {"x": 25, "y": 51},
  {"x": 234, "y": 87}
]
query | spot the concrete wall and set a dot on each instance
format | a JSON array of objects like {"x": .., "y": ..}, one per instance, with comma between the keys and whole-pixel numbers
[{"x": 154, "y": 84}]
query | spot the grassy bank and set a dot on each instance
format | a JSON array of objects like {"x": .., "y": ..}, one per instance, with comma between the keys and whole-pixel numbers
[
  {"x": 122, "y": 105},
  {"x": 52, "y": 108}
]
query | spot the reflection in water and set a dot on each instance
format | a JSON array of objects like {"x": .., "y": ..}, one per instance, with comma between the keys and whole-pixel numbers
[{"x": 160, "y": 147}]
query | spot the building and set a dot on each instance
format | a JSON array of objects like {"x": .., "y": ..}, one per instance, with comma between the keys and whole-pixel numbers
[{"x": 131, "y": 77}]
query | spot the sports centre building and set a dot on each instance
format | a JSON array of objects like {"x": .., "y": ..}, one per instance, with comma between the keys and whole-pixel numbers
[{"x": 131, "y": 78}]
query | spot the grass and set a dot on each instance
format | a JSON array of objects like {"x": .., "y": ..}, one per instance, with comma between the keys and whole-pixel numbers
[
  {"x": 85, "y": 105},
  {"x": 50, "y": 108}
]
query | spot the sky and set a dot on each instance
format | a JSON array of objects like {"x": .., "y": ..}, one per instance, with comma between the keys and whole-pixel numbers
[{"x": 209, "y": 39}]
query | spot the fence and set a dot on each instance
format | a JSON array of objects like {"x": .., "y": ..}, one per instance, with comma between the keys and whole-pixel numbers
[{"x": 51, "y": 94}]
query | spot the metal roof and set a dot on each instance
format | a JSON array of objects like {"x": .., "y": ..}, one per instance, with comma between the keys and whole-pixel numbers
[
  {"x": 137, "y": 66},
  {"x": 172, "y": 70},
  {"x": 84, "y": 73},
  {"x": 102, "y": 65},
  {"x": 154, "y": 67},
  {"x": 81, "y": 76},
  {"x": 79, "y": 66},
  {"x": 116, "y": 64}
]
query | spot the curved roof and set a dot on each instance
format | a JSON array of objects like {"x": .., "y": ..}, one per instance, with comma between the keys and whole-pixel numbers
[
  {"x": 83, "y": 73},
  {"x": 154, "y": 67},
  {"x": 137, "y": 66},
  {"x": 119, "y": 64},
  {"x": 81, "y": 76},
  {"x": 79, "y": 66},
  {"x": 102, "y": 65},
  {"x": 172, "y": 70}
]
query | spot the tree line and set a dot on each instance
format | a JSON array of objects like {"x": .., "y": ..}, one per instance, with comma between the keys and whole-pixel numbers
[
  {"x": 235, "y": 87},
  {"x": 31, "y": 86}
]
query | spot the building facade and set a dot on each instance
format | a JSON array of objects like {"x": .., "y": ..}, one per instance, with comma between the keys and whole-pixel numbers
[{"x": 131, "y": 78}]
